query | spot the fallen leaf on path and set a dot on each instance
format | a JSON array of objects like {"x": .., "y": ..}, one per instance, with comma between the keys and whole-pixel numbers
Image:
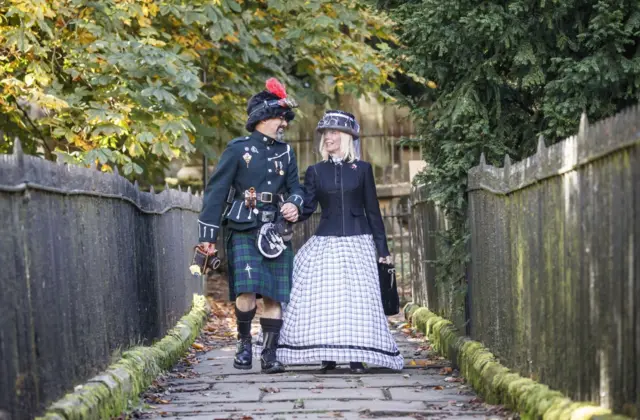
[
  {"x": 197, "y": 346},
  {"x": 438, "y": 388},
  {"x": 412, "y": 363},
  {"x": 446, "y": 371}
]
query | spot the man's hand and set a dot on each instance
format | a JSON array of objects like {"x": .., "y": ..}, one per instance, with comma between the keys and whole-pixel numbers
[
  {"x": 290, "y": 212},
  {"x": 208, "y": 247}
]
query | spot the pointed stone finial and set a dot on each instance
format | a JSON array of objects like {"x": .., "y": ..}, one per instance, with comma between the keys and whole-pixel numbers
[
  {"x": 151, "y": 190},
  {"x": 136, "y": 185},
  {"x": 115, "y": 171},
  {"x": 189, "y": 189},
  {"x": 541, "y": 145},
  {"x": 483, "y": 159},
  {"x": 179, "y": 188},
  {"x": 17, "y": 147},
  {"x": 166, "y": 186},
  {"x": 584, "y": 124}
]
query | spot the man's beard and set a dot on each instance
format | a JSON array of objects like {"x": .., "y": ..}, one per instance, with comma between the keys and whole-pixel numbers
[{"x": 280, "y": 133}]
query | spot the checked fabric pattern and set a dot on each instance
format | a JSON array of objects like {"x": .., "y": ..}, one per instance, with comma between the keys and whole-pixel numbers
[
  {"x": 250, "y": 272},
  {"x": 335, "y": 312}
]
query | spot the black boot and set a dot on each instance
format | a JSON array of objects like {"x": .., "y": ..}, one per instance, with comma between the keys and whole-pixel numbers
[
  {"x": 327, "y": 365},
  {"x": 357, "y": 367},
  {"x": 244, "y": 353},
  {"x": 271, "y": 334}
]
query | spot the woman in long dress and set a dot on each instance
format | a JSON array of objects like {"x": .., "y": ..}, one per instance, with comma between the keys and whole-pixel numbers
[{"x": 335, "y": 313}]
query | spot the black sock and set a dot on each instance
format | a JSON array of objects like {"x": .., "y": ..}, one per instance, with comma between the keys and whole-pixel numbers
[
  {"x": 243, "y": 319},
  {"x": 271, "y": 324}
]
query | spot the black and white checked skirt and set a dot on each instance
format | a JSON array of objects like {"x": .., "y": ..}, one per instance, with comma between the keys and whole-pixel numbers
[{"x": 335, "y": 311}]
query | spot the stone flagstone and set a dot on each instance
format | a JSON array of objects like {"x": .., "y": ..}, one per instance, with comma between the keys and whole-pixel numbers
[{"x": 212, "y": 389}]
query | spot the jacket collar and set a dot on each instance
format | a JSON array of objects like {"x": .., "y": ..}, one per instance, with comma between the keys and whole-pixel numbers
[
  {"x": 337, "y": 160},
  {"x": 263, "y": 138}
]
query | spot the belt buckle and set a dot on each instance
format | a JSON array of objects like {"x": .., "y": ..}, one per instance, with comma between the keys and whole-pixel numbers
[{"x": 264, "y": 200}]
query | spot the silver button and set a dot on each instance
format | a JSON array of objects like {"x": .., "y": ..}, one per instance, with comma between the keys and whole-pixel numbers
[
  {"x": 269, "y": 182},
  {"x": 264, "y": 138},
  {"x": 270, "y": 170}
]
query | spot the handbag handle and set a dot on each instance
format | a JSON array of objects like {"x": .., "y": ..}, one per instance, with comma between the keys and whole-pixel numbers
[{"x": 392, "y": 271}]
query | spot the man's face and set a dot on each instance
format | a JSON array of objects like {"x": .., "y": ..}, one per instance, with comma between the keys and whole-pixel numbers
[{"x": 275, "y": 127}]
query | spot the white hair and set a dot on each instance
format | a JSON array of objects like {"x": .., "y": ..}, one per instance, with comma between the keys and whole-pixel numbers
[{"x": 347, "y": 149}]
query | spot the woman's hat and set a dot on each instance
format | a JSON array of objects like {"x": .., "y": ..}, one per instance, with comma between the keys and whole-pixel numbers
[{"x": 334, "y": 119}]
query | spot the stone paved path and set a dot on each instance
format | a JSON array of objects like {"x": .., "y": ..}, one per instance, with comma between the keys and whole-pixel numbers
[{"x": 206, "y": 386}]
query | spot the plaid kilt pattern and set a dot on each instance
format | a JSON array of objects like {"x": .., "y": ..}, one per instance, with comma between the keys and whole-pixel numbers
[
  {"x": 335, "y": 312},
  {"x": 251, "y": 272}
]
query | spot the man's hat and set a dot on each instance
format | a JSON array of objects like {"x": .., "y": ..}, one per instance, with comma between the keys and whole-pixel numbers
[{"x": 270, "y": 103}]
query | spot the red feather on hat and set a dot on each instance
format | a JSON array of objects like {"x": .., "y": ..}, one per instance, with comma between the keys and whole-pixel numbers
[{"x": 274, "y": 86}]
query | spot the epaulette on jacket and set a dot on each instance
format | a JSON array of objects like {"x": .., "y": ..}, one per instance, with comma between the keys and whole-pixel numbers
[{"x": 239, "y": 139}]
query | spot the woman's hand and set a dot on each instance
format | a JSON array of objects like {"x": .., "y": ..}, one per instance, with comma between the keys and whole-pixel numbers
[{"x": 386, "y": 260}]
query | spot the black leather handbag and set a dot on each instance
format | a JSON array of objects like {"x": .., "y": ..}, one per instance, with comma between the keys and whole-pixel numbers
[{"x": 388, "y": 289}]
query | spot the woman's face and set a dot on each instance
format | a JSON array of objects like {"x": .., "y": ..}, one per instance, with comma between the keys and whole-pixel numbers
[{"x": 332, "y": 142}]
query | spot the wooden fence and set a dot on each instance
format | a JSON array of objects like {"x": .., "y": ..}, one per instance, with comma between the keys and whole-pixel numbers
[
  {"x": 554, "y": 278},
  {"x": 90, "y": 265},
  {"x": 444, "y": 297},
  {"x": 555, "y": 262}
]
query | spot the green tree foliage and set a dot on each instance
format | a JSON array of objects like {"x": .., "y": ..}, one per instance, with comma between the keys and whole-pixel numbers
[
  {"x": 134, "y": 83},
  {"x": 504, "y": 73}
]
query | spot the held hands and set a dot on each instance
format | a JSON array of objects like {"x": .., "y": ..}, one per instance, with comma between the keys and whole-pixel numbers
[{"x": 290, "y": 212}]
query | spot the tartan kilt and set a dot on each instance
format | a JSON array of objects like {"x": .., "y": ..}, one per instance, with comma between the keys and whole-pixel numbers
[{"x": 251, "y": 272}]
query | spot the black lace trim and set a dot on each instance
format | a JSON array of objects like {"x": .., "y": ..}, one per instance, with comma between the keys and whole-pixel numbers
[{"x": 336, "y": 346}]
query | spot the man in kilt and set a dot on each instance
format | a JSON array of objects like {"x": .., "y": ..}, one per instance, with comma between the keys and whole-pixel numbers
[{"x": 253, "y": 190}]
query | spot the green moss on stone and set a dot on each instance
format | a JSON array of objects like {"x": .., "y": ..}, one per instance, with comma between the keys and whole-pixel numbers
[
  {"x": 53, "y": 416},
  {"x": 107, "y": 395},
  {"x": 495, "y": 382}
]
